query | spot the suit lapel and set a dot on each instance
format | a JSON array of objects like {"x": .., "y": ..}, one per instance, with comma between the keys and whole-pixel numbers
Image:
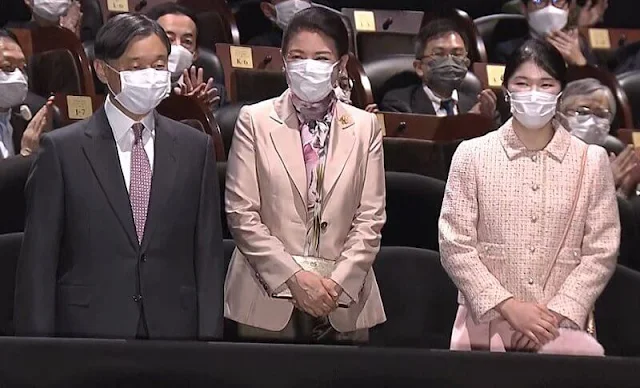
[
  {"x": 165, "y": 166},
  {"x": 420, "y": 102},
  {"x": 341, "y": 141},
  {"x": 100, "y": 149},
  {"x": 288, "y": 144}
]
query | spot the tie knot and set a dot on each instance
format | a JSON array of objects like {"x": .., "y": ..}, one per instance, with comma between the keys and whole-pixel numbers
[{"x": 137, "y": 131}]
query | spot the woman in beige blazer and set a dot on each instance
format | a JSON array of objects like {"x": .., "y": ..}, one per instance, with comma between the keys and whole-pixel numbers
[
  {"x": 507, "y": 206},
  {"x": 305, "y": 178}
]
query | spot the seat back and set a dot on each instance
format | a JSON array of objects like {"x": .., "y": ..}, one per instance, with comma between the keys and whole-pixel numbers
[
  {"x": 222, "y": 179},
  {"x": 371, "y": 46},
  {"x": 9, "y": 253},
  {"x": 630, "y": 83},
  {"x": 361, "y": 93},
  {"x": 256, "y": 85},
  {"x": 210, "y": 64},
  {"x": 59, "y": 50},
  {"x": 416, "y": 156},
  {"x": 407, "y": 195},
  {"x": 407, "y": 22},
  {"x": 226, "y": 116},
  {"x": 492, "y": 30},
  {"x": 419, "y": 299},
  {"x": 189, "y": 108},
  {"x": 617, "y": 314}
]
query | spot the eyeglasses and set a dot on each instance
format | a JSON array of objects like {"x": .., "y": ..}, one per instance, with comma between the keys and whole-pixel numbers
[
  {"x": 543, "y": 3},
  {"x": 459, "y": 57},
  {"x": 582, "y": 112}
]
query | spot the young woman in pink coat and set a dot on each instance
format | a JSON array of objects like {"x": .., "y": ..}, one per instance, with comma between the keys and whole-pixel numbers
[{"x": 529, "y": 229}]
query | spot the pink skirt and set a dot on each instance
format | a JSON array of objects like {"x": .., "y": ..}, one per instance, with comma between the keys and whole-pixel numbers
[{"x": 494, "y": 336}]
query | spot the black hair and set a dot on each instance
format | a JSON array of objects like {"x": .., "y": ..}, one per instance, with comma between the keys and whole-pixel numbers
[
  {"x": 118, "y": 32},
  {"x": 8, "y": 34},
  {"x": 163, "y": 9},
  {"x": 436, "y": 29},
  {"x": 543, "y": 55},
  {"x": 318, "y": 19},
  {"x": 525, "y": 2}
]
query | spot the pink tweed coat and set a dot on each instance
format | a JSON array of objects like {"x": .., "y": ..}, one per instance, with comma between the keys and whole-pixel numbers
[{"x": 504, "y": 212}]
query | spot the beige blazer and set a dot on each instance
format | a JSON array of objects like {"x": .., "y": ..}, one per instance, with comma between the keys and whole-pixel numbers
[
  {"x": 266, "y": 212},
  {"x": 504, "y": 212}
]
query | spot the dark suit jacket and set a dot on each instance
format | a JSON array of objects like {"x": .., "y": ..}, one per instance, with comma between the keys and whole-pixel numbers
[
  {"x": 504, "y": 50},
  {"x": 413, "y": 99},
  {"x": 82, "y": 272}
]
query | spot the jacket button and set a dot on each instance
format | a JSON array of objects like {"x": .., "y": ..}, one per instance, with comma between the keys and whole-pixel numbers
[
  {"x": 530, "y": 281},
  {"x": 143, "y": 258},
  {"x": 323, "y": 225},
  {"x": 137, "y": 298}
]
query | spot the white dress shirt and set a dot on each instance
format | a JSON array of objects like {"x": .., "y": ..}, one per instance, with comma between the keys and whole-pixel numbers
[
  {"x": 6, "y": 135},
  {"x": 437, "y": 101},
  {"x": 123, "y": 134}
]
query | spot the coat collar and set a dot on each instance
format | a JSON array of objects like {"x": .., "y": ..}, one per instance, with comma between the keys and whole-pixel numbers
[{"x": 513, "y": 147}]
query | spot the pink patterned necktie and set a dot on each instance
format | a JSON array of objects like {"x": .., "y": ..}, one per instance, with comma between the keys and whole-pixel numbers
[{"x": 140, "y": 185}]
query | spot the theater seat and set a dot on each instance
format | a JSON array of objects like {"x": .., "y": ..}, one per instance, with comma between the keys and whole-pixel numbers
[
  {"x": 499, "y": 28},
  {"x": 630, "y": 83},
  {"x": 222, "y": 179},
  {"x": 226, "y": 117},
  {"x": 9, "y": 253},
  {"x": 398, "y": 72},
  {"x": 413, "y": 209},
  {"x": 419, "y": 299},
  {"x": 618, "y": 313},
  {"x": 613, "y": 144},
  {"x": 211, "y": 65}
]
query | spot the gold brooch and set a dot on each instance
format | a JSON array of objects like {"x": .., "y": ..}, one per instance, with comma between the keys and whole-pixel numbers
[{"x": 344, "y": 120}]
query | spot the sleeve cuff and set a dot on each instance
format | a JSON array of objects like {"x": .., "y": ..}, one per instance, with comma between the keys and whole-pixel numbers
[
  {"x": 484, "y": 304},
  {"x": 569, "y": 308}
]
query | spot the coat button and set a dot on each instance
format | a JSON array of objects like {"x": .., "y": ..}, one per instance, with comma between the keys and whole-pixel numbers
[
  {"x": 532, "y": 249},
  {"x": 535, "y": 187},
  {"x": 143, "y": 258},
  {"x": 534, "y": 158},
  {"x": 323, "y": 225},
  {"x": 534, "y": 219},
  {"x": 137, "y": 298},
  {"x": 530, "y": 281}
]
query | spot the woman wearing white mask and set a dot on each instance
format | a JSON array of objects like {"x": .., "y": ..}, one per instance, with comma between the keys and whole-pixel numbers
[
  {"x": 305, "y": 200},
  {"x": 587, "y": 109},
  {"x": 529, "y": 229},
  {"x": 547, "y": 20}
]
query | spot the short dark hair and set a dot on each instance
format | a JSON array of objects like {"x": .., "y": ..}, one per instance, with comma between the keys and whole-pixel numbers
[
  {"x": 118, "y": 32},
  {"x": 318, "y": 19},
  {"x": 543, "y": 54},
  {"x": 169, "y": 8},
  {"x": 436, "y": 29},
  {"x": 8, "y": 34}
]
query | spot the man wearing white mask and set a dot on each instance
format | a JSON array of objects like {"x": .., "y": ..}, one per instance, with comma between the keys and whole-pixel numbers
[
  {"x": 123, "y": 235},
  {"x": 187, "y": 77},
  {"x": 548, "y": 20},
  {"x": 20, "y": 131}
]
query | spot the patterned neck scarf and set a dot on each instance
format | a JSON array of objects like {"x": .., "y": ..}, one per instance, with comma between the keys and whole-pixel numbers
[{"x": 315, "y": 138}]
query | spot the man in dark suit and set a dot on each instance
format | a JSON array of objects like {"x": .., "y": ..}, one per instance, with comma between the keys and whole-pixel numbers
[
  {"x": 19, "y": 131},
  {"x": 123, "y": 236},
  {"x": 548, "y": 20},
  {"x": 181, "y": 26},
  {"x": 442, "y": 64}
]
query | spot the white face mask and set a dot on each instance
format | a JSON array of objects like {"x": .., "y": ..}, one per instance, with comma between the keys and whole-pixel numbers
[
  {"x": 286, "y": 9},
  {"x": 310, "y": 80},
  {"x": 548, "y": 19},
  {"x": 51, "y": 9},
  {"x": 179, "y": 60},
  {"x": 590, "y": 129},
  {"x": 142, "y": 90},
  {"x": 13, "y": 88},
  {"x": 533, "y": 109}
]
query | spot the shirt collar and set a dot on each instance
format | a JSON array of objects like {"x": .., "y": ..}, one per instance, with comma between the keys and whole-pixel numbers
[
  {"x": 513, "y": 147},
  {"x": 121, "y": 123},
  {"x": 438, "y": 100}
]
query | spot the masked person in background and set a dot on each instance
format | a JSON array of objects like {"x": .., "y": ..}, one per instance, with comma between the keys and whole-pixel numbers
[
  {"x": 529, "y": 228},
  {"x": 123, "y": 236},
  {"x": 64, "y": 13},
  {"x": 343, "y": 92},
  {"x": 548, "y": 20},
  {"x": 20, "y": 131},
  {"x": 587, "y": 109},
  {"x": 187, "y": 78},
  {"x": 305, "y": 185},
  {"x": 280, "y": 13},
  {"x": 442, "y": 64}
]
